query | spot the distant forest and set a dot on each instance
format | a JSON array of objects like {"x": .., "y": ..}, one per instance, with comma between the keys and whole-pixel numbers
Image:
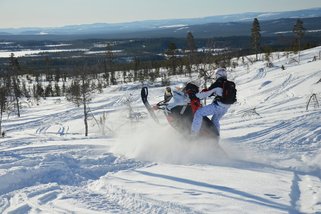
[{"x": 145, "y": 50}]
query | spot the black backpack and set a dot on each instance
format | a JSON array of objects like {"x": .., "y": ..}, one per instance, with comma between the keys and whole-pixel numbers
[{"x": 229, "y": 92}]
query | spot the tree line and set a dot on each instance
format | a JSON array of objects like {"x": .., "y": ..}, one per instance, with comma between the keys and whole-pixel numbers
[{"x": 298, "y": 31}]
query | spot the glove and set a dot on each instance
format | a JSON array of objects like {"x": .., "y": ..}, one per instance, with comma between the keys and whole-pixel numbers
[
  {"x": 192, "y": 96},
  {"x": 204, "y": 90}
]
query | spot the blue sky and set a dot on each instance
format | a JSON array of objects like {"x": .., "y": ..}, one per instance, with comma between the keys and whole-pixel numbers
[{"x": 52, "y": 13}]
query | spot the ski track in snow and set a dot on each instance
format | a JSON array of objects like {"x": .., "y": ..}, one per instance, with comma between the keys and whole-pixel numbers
[
  {"x": 36, "y": 176},
  {"x": 33, "y": 185}
]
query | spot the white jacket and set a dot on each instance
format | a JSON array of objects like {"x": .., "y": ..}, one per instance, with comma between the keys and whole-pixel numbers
[{"x": 216, "y": 92}]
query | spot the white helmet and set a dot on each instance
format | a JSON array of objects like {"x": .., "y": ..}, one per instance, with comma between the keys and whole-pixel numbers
[{"x": 220, "y": 72}]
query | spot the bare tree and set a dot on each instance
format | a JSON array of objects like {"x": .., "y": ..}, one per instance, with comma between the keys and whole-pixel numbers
[
  {"x": 80, "y": 93},
  {"x": 313, "y": 100},
  {"x": 206, "y": 75}
]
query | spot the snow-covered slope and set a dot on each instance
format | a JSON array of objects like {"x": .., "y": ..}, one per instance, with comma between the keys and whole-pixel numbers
[{"x": 273, "y": 145}]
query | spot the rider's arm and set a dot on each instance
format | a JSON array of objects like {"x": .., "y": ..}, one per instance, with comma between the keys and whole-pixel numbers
[
  {"x": 214, "y": 89},
  {"x": 204, "y": 94}
]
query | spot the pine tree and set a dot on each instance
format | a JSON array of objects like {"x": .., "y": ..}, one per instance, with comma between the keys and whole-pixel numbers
[
  {"x": 57, "y": 90},
  {"x": 110, "y": 63},
  {"x": 171, "y": 51},
  {"x": 38, "y": 91},
  {"x": 25, "y": 91},
  {"x": 14, "y": 85},
  {"x": 137, "y": 65},
  {"x": 48, "y": 90},
  {"x": 191, "y": 47},
  {"x": 256, "y": 36},
  {"x": 299, "y": 31},
  {"x": 3, "y": 103}
]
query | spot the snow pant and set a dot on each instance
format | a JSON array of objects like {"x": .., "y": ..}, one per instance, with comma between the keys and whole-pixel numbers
[{"x": 213, "y": 109}]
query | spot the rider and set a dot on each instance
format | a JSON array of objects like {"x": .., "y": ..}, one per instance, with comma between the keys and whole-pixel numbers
[
  {"x": 217, "y": 109},
  {"x": 168, "y": 94}
]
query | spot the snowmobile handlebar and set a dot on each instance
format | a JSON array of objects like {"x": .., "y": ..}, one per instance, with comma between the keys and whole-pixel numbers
[
  {"x": 144, "y": 95},
  {"x": 161, "y": 105}
]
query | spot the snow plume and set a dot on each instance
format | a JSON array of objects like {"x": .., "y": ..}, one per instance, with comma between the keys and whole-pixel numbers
[
  {"x": 311, "y": 164},
  {"x": 161, "y": 143},
  {"x": 243, "y": 155}
]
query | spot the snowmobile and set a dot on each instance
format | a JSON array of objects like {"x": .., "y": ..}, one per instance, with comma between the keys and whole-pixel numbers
[{"x": 179, "y": 111}]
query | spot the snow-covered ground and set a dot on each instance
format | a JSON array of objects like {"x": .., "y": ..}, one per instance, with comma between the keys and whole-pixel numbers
[{"x": 273, "y": 145}]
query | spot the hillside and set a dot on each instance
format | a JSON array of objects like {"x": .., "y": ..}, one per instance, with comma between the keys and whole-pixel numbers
[
  {"x": 269, "y": 28},
  {"x": 272, "y": 24},
  {"x": 273, "y": 144}
]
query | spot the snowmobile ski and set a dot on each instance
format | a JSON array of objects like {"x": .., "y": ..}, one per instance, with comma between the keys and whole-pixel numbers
[{"x": 144, "y": 95}]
